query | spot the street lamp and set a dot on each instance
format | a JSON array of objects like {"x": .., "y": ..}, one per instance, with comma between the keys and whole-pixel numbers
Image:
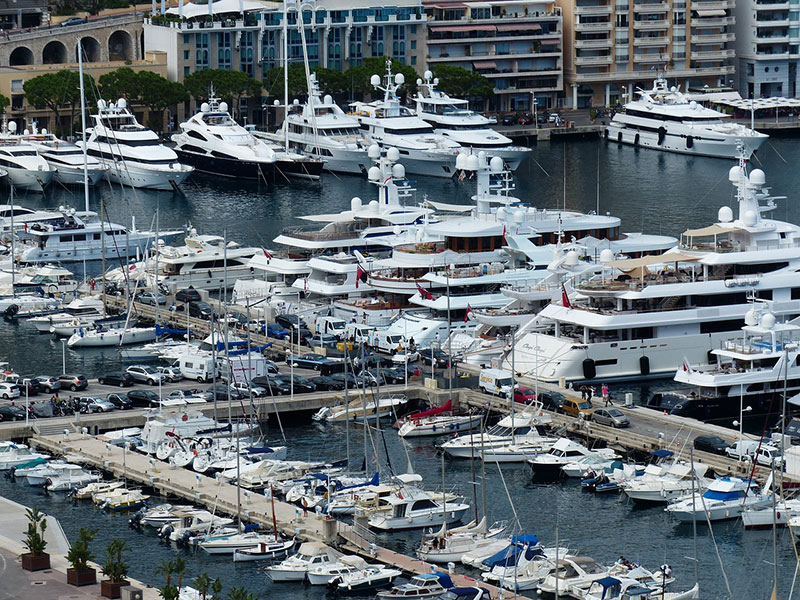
[
  {"x": 26, "y": 382},
  {"x": 63, "y": 356},
  {"x": 740, "y": 422}
]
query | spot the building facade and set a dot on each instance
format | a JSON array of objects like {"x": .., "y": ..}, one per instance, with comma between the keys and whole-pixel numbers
[
  {"x": 516, "y": 44},
  {"x": 611, "y": 47},
  {"x": 768, "y": 48}
]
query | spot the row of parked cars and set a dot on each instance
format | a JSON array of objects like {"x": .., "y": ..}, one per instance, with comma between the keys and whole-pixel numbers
[
  {"x": 14, "y": 385},
  {"x": 763, "y": 453}
]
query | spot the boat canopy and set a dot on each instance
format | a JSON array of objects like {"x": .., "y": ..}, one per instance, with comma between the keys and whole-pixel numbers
[
  {"x": 631, "y": 264},
  {"x": 354, "y": 561},
  {"x": 433, "y": 411},
  {"x": 608, "y": 583},
  {"x": 708, "y": 231},
  {"x": 662, "y": 453}
]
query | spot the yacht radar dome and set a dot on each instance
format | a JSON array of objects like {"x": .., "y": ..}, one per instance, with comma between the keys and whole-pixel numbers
[
  {"x": 393, "y": 154},
  {"x": 101, "y": 104},
  {"x": 374, "y": 173},
  {"x": 375, "y": 80},
  {"x": 419, "y": 81},
  {"x": 328, "y": 99},
  {"x": 26, "y": 132},
  {"x": 502, "y": 213},
  {"x": 482, "y": 156},
  {"x": 496, "y": 164},
  {"x": 374, "y": 152},
  {"x": 122, "y": 103},
  {"x": 461, "y": 158},
  {"x": 435, "y": 81},
  {"x": 12, "y": 126},
  {"x": 750, "y": 218},
  {"x": 472, "y": 163},
  {"x": 373, "y": 206},
  {"x": 355, "y": 204},
  {"x": 295, "y": 102},
  {"x": 204, "y": 107},
  {"x": 519, "y": 216},
  {"x": 733, "y": 174},
  {"x": 693, "y": 105},
  {"x": 223, "y": 106},
  {"x": 751, "y": 318},
  {"x": 606, "y": 255},
  {"x": 399, "y": 79},
  {"x": 44, "y": 131},
  {"x": 276, "y": 102},
  {"x": 757, "y": 177},
  {"x": 572, "y": 258},
  {"x": 725, "y": 214},
  {"x": 398, "y": 171},
  {"x": 767, "y": 321}
]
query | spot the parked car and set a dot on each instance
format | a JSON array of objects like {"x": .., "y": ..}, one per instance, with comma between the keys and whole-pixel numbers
[
  {"x": 322, "y": 341},
  {"x": 73, "y": 383},
  {"x": 711, "y": 443},
  {"x": 440, "y": 359},
  {"x": 33, "y": 385},
  {"x": 290, "y": 321},
  {"x": 120, "y": 401},
  {"x": 302, "y": 385},
  {"x": 541, "y": 119},
  {"x": 376, "y": 360},
  {"x": 554, "y": 117},
  {"x": 524, "y": 394},
  {"x": 189, "y": 394},
  {"x": 308, "y": 361},
  {"x": 244, "y": 389},
  {"x": 277, "y": 331},
  {"x": 352, "y": 381},
  {"x": 8, "y": 391},
  {"x": 145, "y": 374},
  {"x": 92, "y": 404},
  {"x": 577, "y": 407},
  {"x": 552, "y": 401},
  {"x": 525, "y": 119},
  {"x": 48, "y": 383},
  {"x": 613, "y": 417},
  {"x": 151, "y": 298},
  {"x": 222, "y": 392},
  {"x": 170, "y": 373},
  {"x": 74, "y": 21},
  {"x": 118, "y": 379},
  {"x": 143, "y": 398},
  {"x": 201, "y": 310},
  {"x": 326, "y": 383},
  {"x": 187, "y": 295},
  {"x": 372, "y": 377},
  {"x": 509, "y": 119},
  {"x": 396, "y": 374},
  {"x": 12, "y": 413},
  {"x": 271, "y": 367}
]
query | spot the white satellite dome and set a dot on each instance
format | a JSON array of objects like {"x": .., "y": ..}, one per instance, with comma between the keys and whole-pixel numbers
[
  {"x": 374, "y": 173},
  {"x": 223, "y": 106},
  {"x": 606, "y": 255},
  {"x": 461, "y": 158},
  {"x": 751, "y": 318},
  {"x": 121, "y": 103},
  {"x": 393, "y": 154},
  {"x": 757, "y": 177},
  {"x": 693, "y": 104},
  {"x": 295, "y": 102},
  {"x": 204, "y": 107},
  {"x": 375, "y": 80},
  {"x": 44, "y": 131},
  {"x": 472, "y": 163},
  {"x": 734, "y": 173},
  {"x": 276, "y": 102},
  {"x": 502, "y": 213},
  {"x": 519, "y": 216},
  {"x": 373, "y": 206},
  {"x": 397, "y": 230},
  {"x": 12, "y": 126},
  {"x": 355, "y": 203},
  {"x": 767, "y": 321},
  {"x": 398, "y": 171},
  {"x": 26, "y": 132},
  {"x": 419, "y": 81},
  {"x": 725, "y": 214},
  {"x": 374, "y": 152},
  {"x": 399, "y": 79},
  {"x": 571, "y": 259},
  {"x": 482, "y": 156},
  {"x": 101, "y": 104},
  {"x": 750, "y": 218},
  {"x": 496, "y": 164},
  {"x": 328, "y": 99}
]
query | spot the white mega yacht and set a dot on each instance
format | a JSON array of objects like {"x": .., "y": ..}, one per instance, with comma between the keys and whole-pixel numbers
[
  {"x": 386, "y": 122},
  {"x": 452, "y": 118},
  {"x": 645, "y": 316},
  {"x": 212, "y": 142},
  {"x": 65, "y": 157},
  {"x": 26, "y": 169},
  {"x": 664, "y": 119},
  {"x": 132, "y": 153}
]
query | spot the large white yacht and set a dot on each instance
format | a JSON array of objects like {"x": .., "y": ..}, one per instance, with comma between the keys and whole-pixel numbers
[
  {"x": 645, "y": 316},
  {"x": 664, "y": 119},
  {"x": 452, "y": 118},
  {"x": 65, "y": 157},
  {"x": 386, "y": 122},
  {"x": 26, "y": 169},
  {"x": 321, "y": 129},
  {"x": 212, "y": 142},
  {"x": 132, "y": 153}
]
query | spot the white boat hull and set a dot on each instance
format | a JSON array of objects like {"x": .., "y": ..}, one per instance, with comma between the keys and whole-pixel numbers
[
  {"x": 74, "y": 175},
  {"x": 27, "y": 179},
  {"x": 432, "y": 519},
  {"x": 449, "y": 426},
  {"x": 111, "y": 338},
  {"x": 277, "y": 574},
  {"x": 139, "y": 177}
]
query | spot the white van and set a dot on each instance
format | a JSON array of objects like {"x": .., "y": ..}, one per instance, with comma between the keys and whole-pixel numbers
[
  {"x": 742, "y": 450},
  {"x": 768, "y": 454},
  {"x": 360, "y": 333},
  {"x": 197, "y": 367},
  {"x": 496, "y": 382},
  {"x": 330, "y": 326}
]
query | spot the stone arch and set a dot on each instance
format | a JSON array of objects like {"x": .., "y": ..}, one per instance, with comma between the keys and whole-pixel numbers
[
  {"x": 20, "y": 56},
  {"x": 91, "y": 49},
  {"x": 120, "y": 46},
  {"x": 54, "y": 53}
]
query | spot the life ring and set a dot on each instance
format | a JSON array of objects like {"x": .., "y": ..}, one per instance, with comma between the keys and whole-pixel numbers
[
  {"x": 185, "y": 417},
  {"x": 416, "y": 421},
  {"x": 194, "y": 451}
]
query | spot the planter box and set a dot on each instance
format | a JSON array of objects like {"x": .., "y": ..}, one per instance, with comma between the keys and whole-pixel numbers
[
  {"x": 38, "y": 562},
  {"x": 112, "y": 589},
  {"x": 87, "y": 576}
]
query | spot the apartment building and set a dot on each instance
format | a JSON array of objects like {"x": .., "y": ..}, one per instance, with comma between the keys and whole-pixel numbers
[
  {"x": 516, "y": 44},
  {"x": 611, "y": 47},
  {"x": 768, "y": 48}
]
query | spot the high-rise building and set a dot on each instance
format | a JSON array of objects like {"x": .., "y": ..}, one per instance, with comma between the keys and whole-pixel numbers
[
  {"x": 515, "y": 44},
  {"x": 768, "y": 48},
  {"x": 612, "y": 47}
]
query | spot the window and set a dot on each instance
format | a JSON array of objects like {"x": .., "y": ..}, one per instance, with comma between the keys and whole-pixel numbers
[
  {"x": 201, "y": 51},
  {"x": 186, "y": 71},
  {"x": 186, "y": 39},
  {"x": 335, "y": 49},
  {"x": 16, "y": 86},
  {"x": 413, "y": 44},
  {"x": 356, "y": 46},
  {"x": 377, "y": 42},
  {"x": 224, "y": 50},
  {"x": 622, "y": 20},
  {"x": 247, "y": 52},
  {"x": 185, "y": 55}
]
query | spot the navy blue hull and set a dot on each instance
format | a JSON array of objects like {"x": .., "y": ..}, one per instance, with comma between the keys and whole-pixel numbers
[{"x": 228, "y": 167}]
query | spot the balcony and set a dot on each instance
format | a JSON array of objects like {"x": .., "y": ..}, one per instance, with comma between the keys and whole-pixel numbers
[
  {"x": 590, "y": 61},
  {"x": 715, "y": 5},
  {"x": 605, "y": 26},
  {"x": 771, "y": 6},
  {"x": 651, "y": 7},
  {"x": 761, "y": 22},
  {"x": 593, "y": 10},
  {"x": 712, "y": 22},
  {"x": 651, "y": 24},
  {"x": 651, "y": 58},
  {"x": 713, "y": 38},
  {"x": 651, "y": 41},
  {"x": 586, "y": 44},
  {"x": 626, "y": 75},
  {"x": 713, "y": 55},
  {"x": 772, "y": 39}
]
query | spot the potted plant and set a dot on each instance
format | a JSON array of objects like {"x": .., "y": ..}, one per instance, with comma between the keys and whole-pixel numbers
[
  {"x": 115, "y": 568},
  {"x": 35, "y": 559},
  {"x": 79, "y": 556}
]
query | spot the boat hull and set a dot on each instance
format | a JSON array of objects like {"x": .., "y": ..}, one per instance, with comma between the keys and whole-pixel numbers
[
  {"x": 138, "y": 177},
  {"x": 74, "y": 175},
  {"x": 286, "y": 575},
  {"x": 27, "y": 179},
  {"x": 228, "y": 167}
]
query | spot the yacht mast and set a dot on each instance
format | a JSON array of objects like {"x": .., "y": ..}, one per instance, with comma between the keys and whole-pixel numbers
[
  {"x": 13, "y": 235},
  {"x": 83, "y": 132},
  {"x": 301, "y": 26},
  {"x": 285, "y": 76}
]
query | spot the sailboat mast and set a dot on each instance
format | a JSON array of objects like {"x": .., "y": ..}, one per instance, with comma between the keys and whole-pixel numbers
[
  {"x": 83, "y": 128},
  {"x": 285, "y": 76},
  {"x": 13, "y": 255},
  {"x": 444, "y": 500}
]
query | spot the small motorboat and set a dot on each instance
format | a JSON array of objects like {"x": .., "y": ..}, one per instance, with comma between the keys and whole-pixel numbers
[
  {"x": 427, "y": 585},
  {"x": 449, "y": 545},
  {"x": 264, "y": 551},
  {"x": 96, "y": 487},
  {"x": 323, "y": 574},
  {"x": 308, "y": 557},
  {"x": 20, "y": 455},
  {"x": 120, "y": 499},
  {"x": 160, "y": 515},
  {"x": 70, "y": 480},
  {"x": 626, "y": 588},
  {"x": 442, "y": 420},
  {"x": 239, "y": 541},
  {"x": 365, "y": 577},
  {"x": 413, "y": 508},
  {"x": 725, "y": 498},
  {"x": 186, "y": 523}
]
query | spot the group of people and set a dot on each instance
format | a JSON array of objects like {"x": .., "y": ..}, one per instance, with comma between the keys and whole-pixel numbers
[{"x": 589, "y": 392}]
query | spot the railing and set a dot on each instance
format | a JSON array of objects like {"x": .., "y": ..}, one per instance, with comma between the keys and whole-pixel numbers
[
  {"x": 19, "y": 35},
  {"x": 309, "y": 233}
]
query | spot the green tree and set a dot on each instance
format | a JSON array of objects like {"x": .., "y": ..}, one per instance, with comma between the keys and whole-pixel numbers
[
  {"x": 157, "y": 93},
  {"x": 180, "y": 569},
  {"x": 216, "y": 589},
  {"x": 4, "y": 102},
  {"x": 54, "y": 90},
  {"x": 240, "y": 594},
  {"x": 228, "y": 85},
  {"x": 202, "y": 583},
  {"x": 120, "y": 83},
  {"x": 166, "y": 568},
  {"x": 463, "y": 83}
]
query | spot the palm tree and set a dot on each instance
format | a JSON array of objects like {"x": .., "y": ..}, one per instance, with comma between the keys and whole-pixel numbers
[
  {"x": 180, "y": 568},
  {"x": 216, "y": 589},
  {"x": 240, "y": 594},
  {"x": 202, "y": 582},
  {"x": 167, "y": 568}
]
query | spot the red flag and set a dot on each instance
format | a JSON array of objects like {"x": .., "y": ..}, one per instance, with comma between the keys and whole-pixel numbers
[
  {"x": 564, "y": 298},
  {"x": 686, "y": 366},
  {"x": 132, "y": 267},
  {"x": 359, "y": 274},
  {"x": 504, "y": 236},
  {"x": 467, "y": 313},
  {"x": 426, "y": 295},
  {"x": 267, "y": 253}
]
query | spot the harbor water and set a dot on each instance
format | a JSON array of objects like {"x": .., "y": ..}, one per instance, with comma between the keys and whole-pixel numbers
[{"x": 650, "y": 191}]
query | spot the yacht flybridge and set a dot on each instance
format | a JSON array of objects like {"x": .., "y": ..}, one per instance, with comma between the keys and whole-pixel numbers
[
  {"x": 452, "y": 118},
  {"x": 646, "y": 316},
  {"x": 132, "y": 153},
  {"x": 26, "y": 169},
  {"x": 65, "y": 157},
  {"x": 664, "y": 119},
  {"x": 386, "y": 122}
]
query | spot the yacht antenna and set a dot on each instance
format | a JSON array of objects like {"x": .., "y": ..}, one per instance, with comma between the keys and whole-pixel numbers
[
  {"x": 302, "y": 28},
  {"x": 83, "y": 132}
]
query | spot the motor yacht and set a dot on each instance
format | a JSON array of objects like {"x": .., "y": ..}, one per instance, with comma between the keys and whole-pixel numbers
[
  {"x": 120, "y": 499},
  {"x": 413, "y": 508},
  {"x": 229, "y": 544},
  {"x": 625, "y": 588},
  {"x": 329, "y": 573},
  {"x": 25, "y": 168},
  {"x": 66, "y": 158},
  {"x": 264, "y": 551},
  {"x": 365, "y": 576},
  {"x": 96, "y": 487},
  {"x": 212, "y": 142},
  {"x": 20, "y": 455},
  {"x": 763, "y": 517},
  {"x": 384, "y": 407},
  {"x": 514, "y": 428},
  {"x": 309, "y": 556},
  {"x": 643, "y": 317},
  {"x": 38, "y": 476},
  {"x": 426, "y": 585},
  {"x": 570, "y": 572},
  {"x": 663, "y": 118},
  {"x": 452, "y": 118},
  {"x": 185, "y": 523},
  {"x": 22, "y": 217},
  {"x": 386, "y": 122},
  {"x": 133, "y": 154},
  {"x": 667, "y": 481},
  {"x": 90, "y": 307},
  {"x": 441, "y": 420},
  {"x": 71, "y": 480},
  {"x": 725, "y": 498},
  {"x": 563, "y": 452},
  {"x": 449, "y": 545}
]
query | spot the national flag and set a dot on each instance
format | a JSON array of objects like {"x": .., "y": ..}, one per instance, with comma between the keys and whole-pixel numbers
[
  {"x": 426, "y": 295},
  {"x": 467, "y": 313},
  {"x": 132, "y": 267},
  {"x": 565, "y": 298},
  {"x": 504, "y": 236},
  {"x": 360, "y": 273},
  {"x": 267, "y": 253},
  {"x": 686, "y": 367}
]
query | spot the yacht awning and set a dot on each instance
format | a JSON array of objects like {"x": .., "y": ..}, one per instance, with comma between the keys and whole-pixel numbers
[
  {"x": 550, "y": 42},
  {"x": 632, "y": 264},
  {"x": 705, "y": 231},
  {"x": 518, "y": 27},
  {"x": 460, "y": 28},
  {"x": 711, "y": 13},
  {"x": 450, "y": 207},
  {"x": 484, "y": 64},
  {"x": 762, "y": 103}
]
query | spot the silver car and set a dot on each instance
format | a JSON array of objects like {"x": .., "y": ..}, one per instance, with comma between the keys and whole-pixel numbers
[
  {"x": 145, "y": 374},
  {"x": 613, "y": 417}
]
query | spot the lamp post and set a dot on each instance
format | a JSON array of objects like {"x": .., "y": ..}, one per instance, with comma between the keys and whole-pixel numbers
[
  {"x": 26, "y": 382},
  {"x": 63, "y": 356}
]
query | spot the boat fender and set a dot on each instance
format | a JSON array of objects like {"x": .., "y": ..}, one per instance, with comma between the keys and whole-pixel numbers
[
  {"x": 662, "y": 134},
  {"x": 165, "y": 531},
  {"x": 619, "y": 136},
  {"x": 11, "y": 310},
  {"x": 636, "y": 140},
  {"x": 589, "y": 368},
  {"x": 689, "y": 141},
  {"x": 606, "y": 134},
  {"x": 644, "y": 365},
  {"x": 434, "y": 428}
]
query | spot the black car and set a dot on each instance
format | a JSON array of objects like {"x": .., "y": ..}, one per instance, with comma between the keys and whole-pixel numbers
[
  {"x": 290, "y": 321},
  {"x": 396, "y": 374},
  {"x": 308, "y": 361},
  {"x": 325, "y": 383},
  {"x": 302, "y": 385},
  {"x": 376, "y": 360},
  {"x": 440, "y": 359},
  {"x": 143, "y": 398},
  {"x": 120, "y": 401},
  {"x": 275, "y": 385},
  {"x": 552, "y": 400},
  {"x": 508, "y": 120},
  {"x": 117, "y": 379},
  {"x": 221, "y": 392},
  {"x": 188, "y": 295},
  {"x": 34, "y": 385},
  {"x": 201, "y": 310},
  {"x": 12, "y": 413},
  {"x": 73, "y": 382},
  {"x": 352, "y": 381},
  {"x": 711, "y": 443}
]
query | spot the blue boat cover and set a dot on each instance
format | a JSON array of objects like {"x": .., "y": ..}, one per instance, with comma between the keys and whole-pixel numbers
[
  {"x": 661, "y": 453},
  {"x": 250, "y": 527},
  {"x": 724, "y": 496},
  {"x": 609, "y": 583},
  {"x": 444, "y": 578},
  {"x": 162, "y": 330}
]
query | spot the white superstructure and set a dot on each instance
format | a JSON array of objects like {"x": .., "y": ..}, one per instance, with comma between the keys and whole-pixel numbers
[
  {"x": 26, "y": 169},
  {"x": 64, "y": 157}
]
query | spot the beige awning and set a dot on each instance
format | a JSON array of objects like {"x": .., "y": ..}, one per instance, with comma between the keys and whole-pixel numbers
[
  {"x": 710, "y": 230},
  {"x": 632, "y": 264},
  {"x": 449, "y": 207},
  {"x": 710, "y": 13}
]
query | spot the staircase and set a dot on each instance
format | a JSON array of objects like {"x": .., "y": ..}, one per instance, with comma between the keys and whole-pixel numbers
[{"x": 44, "y": 428}]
